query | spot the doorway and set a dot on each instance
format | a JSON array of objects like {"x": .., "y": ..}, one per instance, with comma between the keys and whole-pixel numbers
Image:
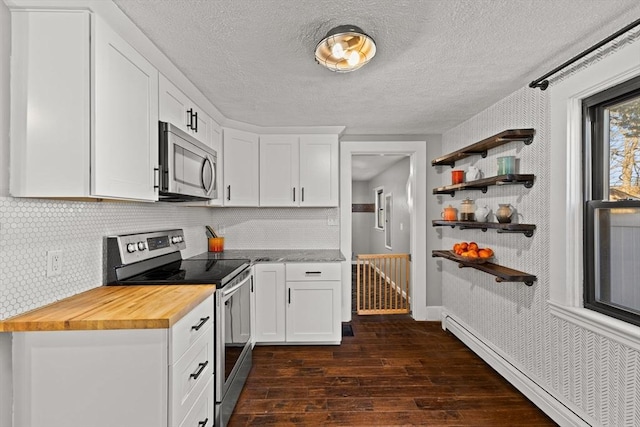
[{"x": 415, "y": 151}]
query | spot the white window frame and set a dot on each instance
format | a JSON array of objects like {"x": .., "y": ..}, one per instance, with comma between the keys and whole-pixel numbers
[
  {"x": 566, "y": 234},
  {"x": 379, "y": 222},
  {"x": 388, "y": 217}
]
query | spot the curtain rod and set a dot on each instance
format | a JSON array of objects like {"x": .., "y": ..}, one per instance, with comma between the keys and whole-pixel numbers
[{"x": 543, "y": 83}]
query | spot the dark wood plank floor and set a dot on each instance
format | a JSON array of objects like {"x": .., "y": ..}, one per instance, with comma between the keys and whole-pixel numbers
[{"x": 393, "y": 371}]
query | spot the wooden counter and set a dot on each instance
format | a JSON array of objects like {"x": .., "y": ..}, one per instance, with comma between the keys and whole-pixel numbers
[{"x": 113, "y": 307}]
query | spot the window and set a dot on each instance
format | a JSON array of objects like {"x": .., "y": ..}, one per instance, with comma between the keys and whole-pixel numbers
[
  {"x": 379, "y": 196},
  {"x": 612, "y": 201}
]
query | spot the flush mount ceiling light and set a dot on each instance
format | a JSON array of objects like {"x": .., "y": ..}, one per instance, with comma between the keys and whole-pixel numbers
[{"x": 345, "y": 48}]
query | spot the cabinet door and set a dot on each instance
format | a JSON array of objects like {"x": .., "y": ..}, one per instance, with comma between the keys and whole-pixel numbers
[
  {"x": 319, "y": 170},
  {"x": 313, "y": 312},
  {"x": 269, "y": 297},
  {"x": 50, "y": 104},
  {"x": 173, "y": 104},
  {"x": 240, "y": 168},
  {"x": 124, "y": 154},
  {"x": 279, "y": 170},
  {"x": 176, "y": 108},
  {"x": 90, "y": 378}
]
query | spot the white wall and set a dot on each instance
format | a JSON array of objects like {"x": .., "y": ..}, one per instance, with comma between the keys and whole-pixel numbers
[
  {"x": 394, "y": 181},
  {"x": 593, "y": 375},
  {"x": 361, "y": 222}
]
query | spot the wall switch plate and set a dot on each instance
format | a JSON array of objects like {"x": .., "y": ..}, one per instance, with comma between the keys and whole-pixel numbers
[
  {"x": 332, "y": 221},
  {"x": 54, "y": 263}
]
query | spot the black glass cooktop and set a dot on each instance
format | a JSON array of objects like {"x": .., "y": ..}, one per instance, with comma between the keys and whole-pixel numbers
[{"x": 191, "y": 271}]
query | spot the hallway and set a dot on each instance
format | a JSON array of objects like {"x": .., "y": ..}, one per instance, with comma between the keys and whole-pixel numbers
[{"x": 393, "y": 371}]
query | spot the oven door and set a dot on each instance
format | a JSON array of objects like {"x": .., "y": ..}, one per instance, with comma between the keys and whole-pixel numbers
[
  {"x": 188, "y": 166},
  {"x": 233, "y": 340}
]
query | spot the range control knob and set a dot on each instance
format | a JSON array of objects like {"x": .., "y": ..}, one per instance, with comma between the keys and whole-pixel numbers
[
  {"x": 141, "y": 246},
  {"x": 131, "y": 247},
  {"x": 176, "y": 239}
]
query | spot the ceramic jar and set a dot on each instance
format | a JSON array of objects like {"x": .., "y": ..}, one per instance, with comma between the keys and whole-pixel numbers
[
  {"x": 482, "y": 213},
  {"x": 467, "y": 210},
  {"x": 449, "y": 213},
  {"x": 503, "y": 214},
  {"x": 457, "y": 176}
]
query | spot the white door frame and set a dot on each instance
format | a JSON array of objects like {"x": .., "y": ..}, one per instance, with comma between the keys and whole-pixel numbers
[{"x": 417, "y": 151}]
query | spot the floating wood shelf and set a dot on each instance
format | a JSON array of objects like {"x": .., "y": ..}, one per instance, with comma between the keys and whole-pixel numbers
[
  {"x": 484, "y": 183},
  {"x": 481, "y": 148},
  {"x": 526, "y": 229},
  {"x": 503, "y": 274}
]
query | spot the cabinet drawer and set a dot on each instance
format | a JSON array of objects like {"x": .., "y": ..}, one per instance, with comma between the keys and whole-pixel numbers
[
  {"x": 190, "y": 328},
  {"x": 189, "y": 376},
  {"x": 202, "y": 413},
  {"x": 313, "y": 271}
]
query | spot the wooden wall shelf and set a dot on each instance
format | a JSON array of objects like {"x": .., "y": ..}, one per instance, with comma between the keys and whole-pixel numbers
[
  {"x": 526, "y": 229},
  {"x": 482, "y": 184},
  {"x": 481, "y": 148},
  {"x": 503, "y": 274}
]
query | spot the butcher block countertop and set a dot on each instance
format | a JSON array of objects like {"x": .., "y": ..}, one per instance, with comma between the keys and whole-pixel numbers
[{"x": 113, "y": 307}]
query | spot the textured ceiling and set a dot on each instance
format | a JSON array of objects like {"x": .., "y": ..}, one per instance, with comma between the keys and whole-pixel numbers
[{"x": 439, "y": 62}]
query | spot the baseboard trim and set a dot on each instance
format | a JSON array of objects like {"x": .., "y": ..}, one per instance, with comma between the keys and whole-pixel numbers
[{"x": 549, "y": 404}]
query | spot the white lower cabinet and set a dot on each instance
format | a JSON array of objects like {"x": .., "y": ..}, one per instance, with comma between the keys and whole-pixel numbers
[
  {"x": 125, "y": 377},
  {"x": 298, "y": 303},
  {"x": 269, "y": 294}
]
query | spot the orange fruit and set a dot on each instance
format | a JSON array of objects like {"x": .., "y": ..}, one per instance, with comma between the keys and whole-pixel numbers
[
  {"x": 490, "y": 251},
  {"x": 483, "y": 253},
  {"x": 473, "y": 246},
  {"x": 472, "y": 253},
  {"x": 455, "y": 247},
  {"x": 464, "y": 246}
]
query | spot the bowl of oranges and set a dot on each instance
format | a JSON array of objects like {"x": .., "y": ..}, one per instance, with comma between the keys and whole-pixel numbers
[{"x": 471, "y": 252}]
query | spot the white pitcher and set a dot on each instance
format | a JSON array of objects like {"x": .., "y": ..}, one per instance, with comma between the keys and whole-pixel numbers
[
  {"x": 482, "y": 213},
  {"x": 473, "y": 173}
]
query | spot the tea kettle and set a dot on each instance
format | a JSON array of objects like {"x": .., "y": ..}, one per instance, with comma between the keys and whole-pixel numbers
[{"x": 482, "y": 213}]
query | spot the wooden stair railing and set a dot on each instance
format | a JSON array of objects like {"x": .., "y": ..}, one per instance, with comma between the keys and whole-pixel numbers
[{"x": 382, "y": 283}]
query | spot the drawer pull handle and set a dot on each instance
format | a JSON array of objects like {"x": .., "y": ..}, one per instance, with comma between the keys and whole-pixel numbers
[
  {"x": 203, "y": 423},
  {"x": 312, "y": 272},
  {"x": 203, "y": 320},
  {"x": 197, "y": 373}
]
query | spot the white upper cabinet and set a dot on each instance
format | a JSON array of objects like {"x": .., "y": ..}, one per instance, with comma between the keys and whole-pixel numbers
[
  {"x": 319, "y": 171},
  {"x": 279, "y": 170},
  {"x": 240, "y": 168},
  {"x": 176, "y": 108},
  {"x": 124, "y": 149},
  {"x": 84, "y": 110},
  {"x": 299, "y": 170}
]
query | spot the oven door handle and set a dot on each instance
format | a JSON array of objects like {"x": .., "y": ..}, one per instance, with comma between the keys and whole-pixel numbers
[{"x": 226, "y": 292}]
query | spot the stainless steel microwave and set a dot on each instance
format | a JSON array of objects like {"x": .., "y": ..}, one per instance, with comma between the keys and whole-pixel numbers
[{"x": 187, "y": 167}]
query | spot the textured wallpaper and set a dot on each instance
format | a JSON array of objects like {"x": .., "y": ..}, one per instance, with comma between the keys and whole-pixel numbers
[{"x": 597, "y": 376}]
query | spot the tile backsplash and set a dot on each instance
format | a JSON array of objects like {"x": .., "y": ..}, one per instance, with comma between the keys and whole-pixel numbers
[{"x": 31, "y": 227}]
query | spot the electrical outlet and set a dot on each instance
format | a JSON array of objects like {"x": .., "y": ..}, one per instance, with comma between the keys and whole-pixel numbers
[
  {"x": 54, "y": 263},
  {"x": 332, "y": 221}
]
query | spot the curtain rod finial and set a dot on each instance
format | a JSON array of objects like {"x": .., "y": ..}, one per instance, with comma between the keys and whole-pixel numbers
[{"x": 543, "y": 85}]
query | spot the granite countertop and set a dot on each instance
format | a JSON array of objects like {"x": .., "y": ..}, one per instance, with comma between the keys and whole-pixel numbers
[{"x": 277, "y": 255}]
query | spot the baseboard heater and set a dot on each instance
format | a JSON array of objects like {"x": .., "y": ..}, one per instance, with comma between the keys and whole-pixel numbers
[{"x": 549, "y": 404}]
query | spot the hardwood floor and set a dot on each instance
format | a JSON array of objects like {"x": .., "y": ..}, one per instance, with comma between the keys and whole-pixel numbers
[{"x": 393, "y": 371}]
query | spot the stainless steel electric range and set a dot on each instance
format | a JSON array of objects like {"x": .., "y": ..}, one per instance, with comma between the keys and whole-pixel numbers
[{"x": 154, "y": 258}]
